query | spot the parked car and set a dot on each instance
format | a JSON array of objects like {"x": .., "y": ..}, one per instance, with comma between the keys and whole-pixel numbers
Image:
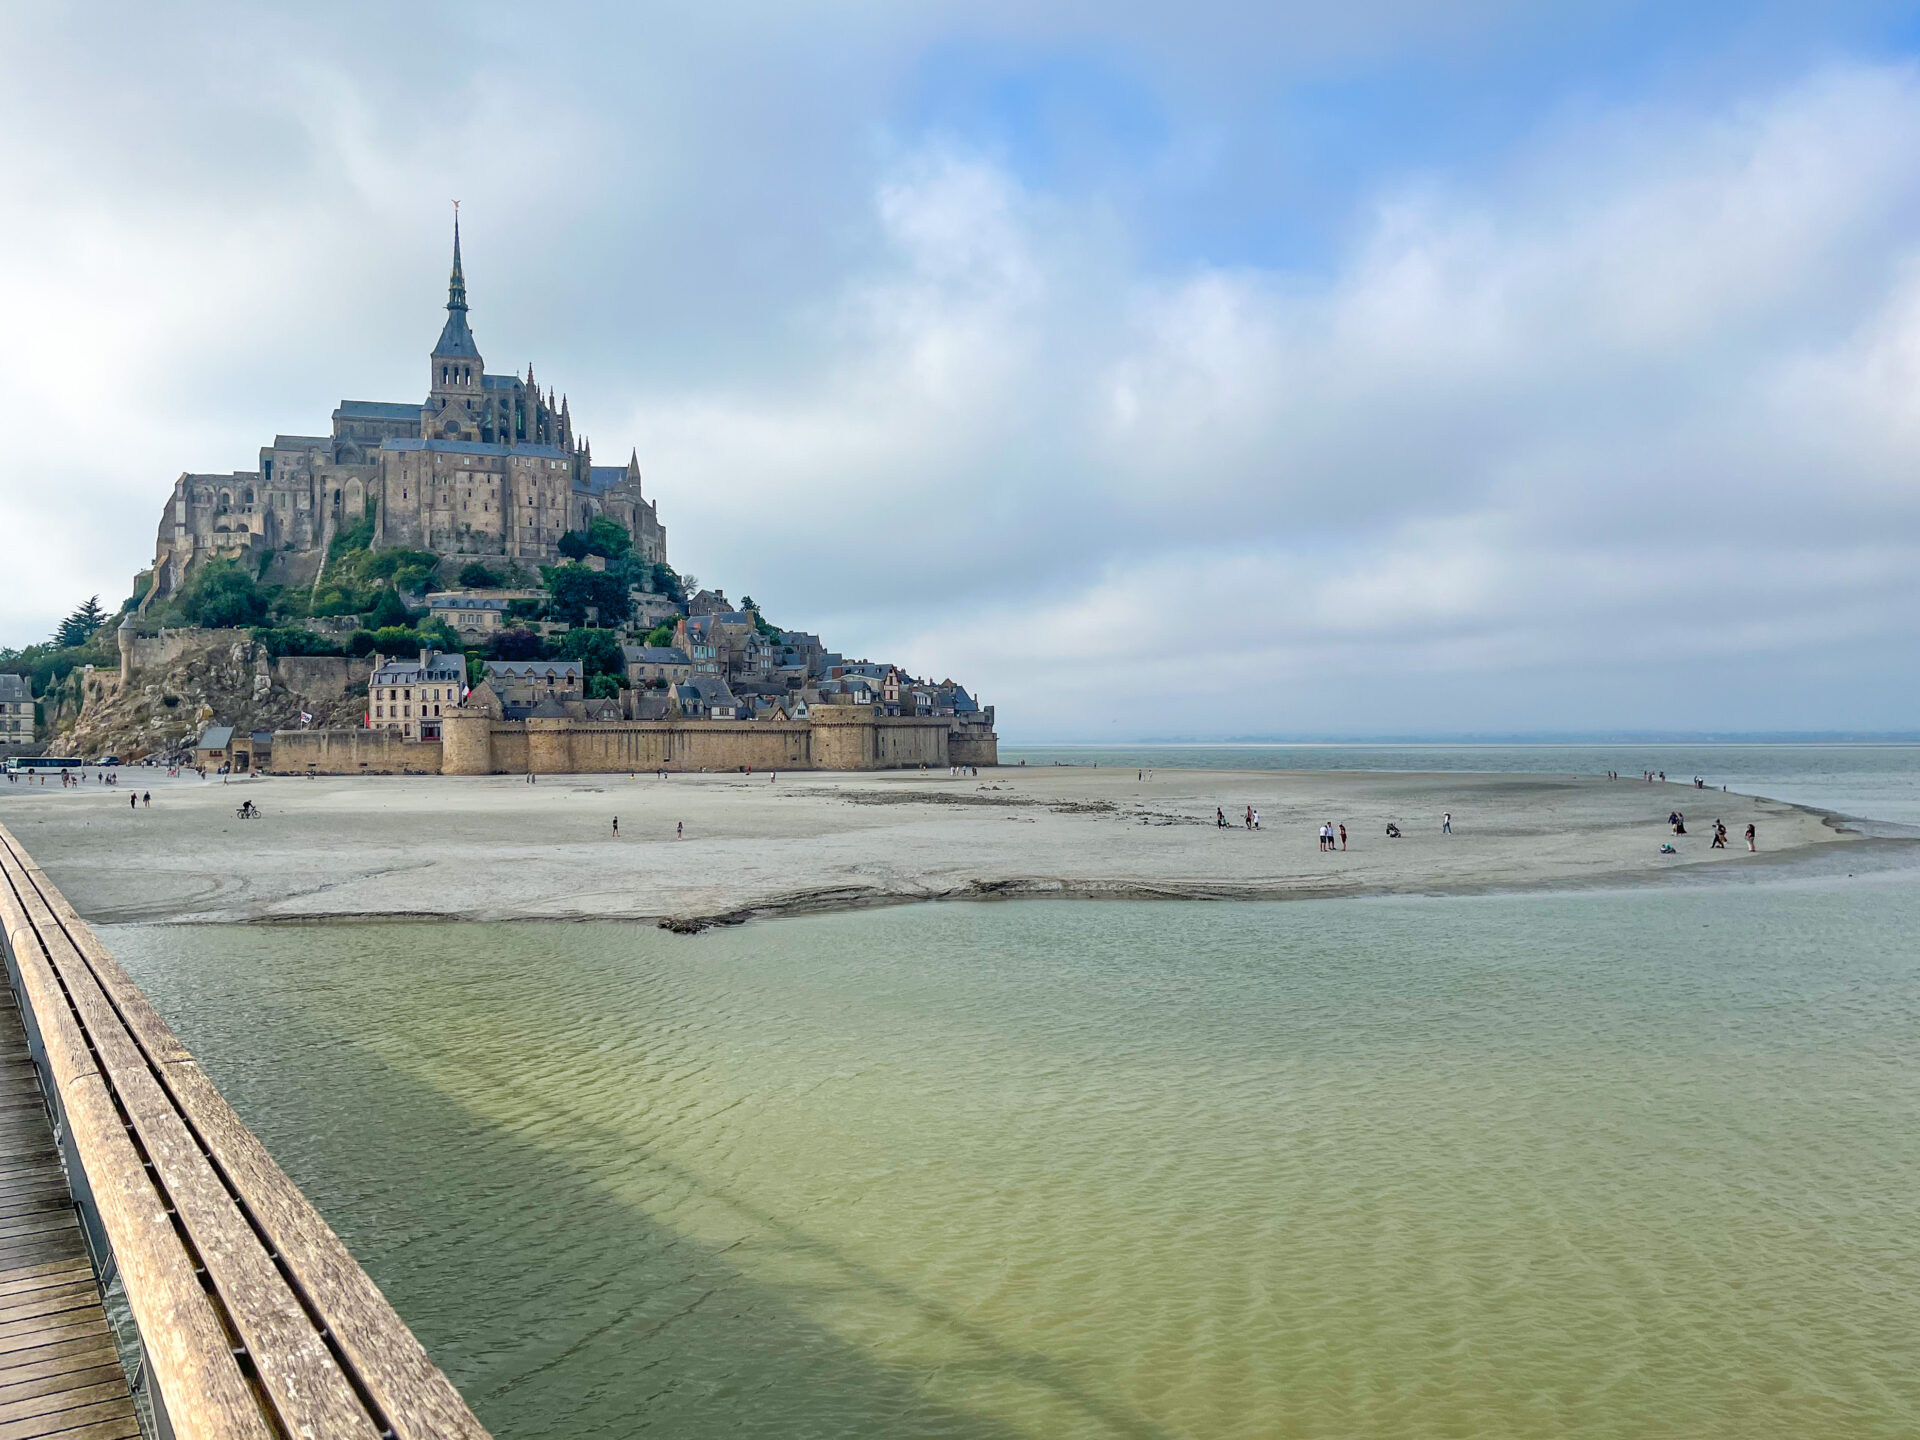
[{"x": 108, "y": 760}]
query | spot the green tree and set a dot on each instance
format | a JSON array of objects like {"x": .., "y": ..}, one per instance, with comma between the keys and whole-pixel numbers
[
  {"x": 294, "y": 640},
  {"x": 516, "y": 645},
  {"x": 78, "y": 627},
  {"x": 599, "y": 649},
  {"x": 608, "y": 539},
  {"x": 221, "y": 594},
  {"x": 388, "y": 610},
  {"x": 573, "y": 545},
  {"x": 660, "y": 635},
  {"x": 476, "y": 576},
  {"x": 575, "y": 589}
]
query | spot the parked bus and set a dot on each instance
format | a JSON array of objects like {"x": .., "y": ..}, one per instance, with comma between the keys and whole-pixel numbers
[{"x": 17, "y": 764}]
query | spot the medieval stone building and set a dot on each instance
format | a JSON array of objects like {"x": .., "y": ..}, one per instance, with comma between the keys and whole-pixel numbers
[{"x": 488, "y": 467}]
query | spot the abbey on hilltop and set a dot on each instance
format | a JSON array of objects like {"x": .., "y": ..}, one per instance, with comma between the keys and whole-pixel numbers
[{"x": 487, "y": 466}]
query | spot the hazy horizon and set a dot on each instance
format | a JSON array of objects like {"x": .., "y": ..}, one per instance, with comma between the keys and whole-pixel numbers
[{"x": 1221, "y": 370}]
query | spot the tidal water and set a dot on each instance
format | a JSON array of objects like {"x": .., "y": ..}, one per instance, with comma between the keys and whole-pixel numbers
[{"x": 1634, "y": 1163}]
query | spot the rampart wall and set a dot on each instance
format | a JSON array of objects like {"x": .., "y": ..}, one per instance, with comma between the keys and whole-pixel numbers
[
  {"x": 352, "y": 752},
  {"x": 840, "y": 738}
]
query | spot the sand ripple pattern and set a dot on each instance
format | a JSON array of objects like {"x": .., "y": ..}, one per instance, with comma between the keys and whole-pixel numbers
[{"x": 1606, "y": 1165}]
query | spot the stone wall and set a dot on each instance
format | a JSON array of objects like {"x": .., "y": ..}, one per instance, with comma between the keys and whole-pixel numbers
[
  {"x": 352, "y": 752},
  {"x": 835, "y": 738},
  {"x": 321, "y": 677},
  {"x": 151, "y": 652}
]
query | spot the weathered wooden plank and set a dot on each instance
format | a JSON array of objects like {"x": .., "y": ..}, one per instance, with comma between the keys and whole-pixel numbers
[
  {"x": 47, "y": 1376},
  {"x": 58, "y": 1357},
  {"x": 418, "y": 1399},
  {"x": 24, "y": 1279},
  {"x": 66, "y": 1422},
  {"x": 23, "y": 1226},
  {"x": 26, "y": 1407},
  {"x": 186, "y": 1346},
  {"x": 119, "y": 1428},
  {"x": 38, "y": 1249},
  {"x": 75, "y": 1326},
  {"x": 307, "y": 1386},
  {"x": 196, "y": 1142},
  {"x": 99, "y": 1382},
  {"x": 81, "y": 1291}
]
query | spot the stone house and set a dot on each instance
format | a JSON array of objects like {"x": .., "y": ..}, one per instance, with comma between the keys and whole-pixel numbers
[
  {"x": 520, "y": 685},
  {"x": 648, "y": 663},
  {"x": 16, "y": 714},
  {"x": 411, "y": 695},
  {"x": 468, "y": 615},
  {"x": 213, "y": 751},
  {"x": 705, "y": 697}
]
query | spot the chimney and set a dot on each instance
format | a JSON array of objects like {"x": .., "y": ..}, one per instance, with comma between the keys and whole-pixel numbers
[{"x": 426, "y": 660}]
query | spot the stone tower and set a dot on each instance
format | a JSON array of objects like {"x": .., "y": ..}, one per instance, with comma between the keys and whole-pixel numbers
[{"x": 455, "y": 405}]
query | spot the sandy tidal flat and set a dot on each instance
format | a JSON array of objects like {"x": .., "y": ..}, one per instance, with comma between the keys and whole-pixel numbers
[{"x": 497, "y": 848}]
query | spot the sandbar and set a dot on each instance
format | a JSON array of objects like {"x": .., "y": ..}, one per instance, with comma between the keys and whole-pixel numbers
[{"x": 695, "y": 850}]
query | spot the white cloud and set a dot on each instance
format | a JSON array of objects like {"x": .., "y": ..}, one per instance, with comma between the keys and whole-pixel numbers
[{"x": 1554, "y": 445}]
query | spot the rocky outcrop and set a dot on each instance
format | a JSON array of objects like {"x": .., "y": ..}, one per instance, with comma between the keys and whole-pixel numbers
[{"x": 210, "y": 678}]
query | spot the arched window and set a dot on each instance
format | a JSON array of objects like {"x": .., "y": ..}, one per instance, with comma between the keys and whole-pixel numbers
[{"x": 249, "y": 497}]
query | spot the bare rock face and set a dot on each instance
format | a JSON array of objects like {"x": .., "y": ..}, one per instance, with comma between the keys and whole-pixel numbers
[{"x": 165, "y": 708}]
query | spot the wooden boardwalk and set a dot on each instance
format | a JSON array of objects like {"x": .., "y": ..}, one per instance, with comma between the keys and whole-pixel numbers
[
  {"x": 255, "y": 1322},
  {"x": 59, "y": 1372}
]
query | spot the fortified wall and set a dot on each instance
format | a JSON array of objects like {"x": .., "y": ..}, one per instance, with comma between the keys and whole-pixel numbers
[{"x": 839, "y": 737}]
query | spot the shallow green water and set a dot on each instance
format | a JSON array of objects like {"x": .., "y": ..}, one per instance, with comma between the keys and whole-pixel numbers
[{"x": 1614, "y": 1165}]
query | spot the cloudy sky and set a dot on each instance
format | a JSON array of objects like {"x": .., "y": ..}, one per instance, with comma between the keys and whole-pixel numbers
[{"x": 1200, "y": 369}]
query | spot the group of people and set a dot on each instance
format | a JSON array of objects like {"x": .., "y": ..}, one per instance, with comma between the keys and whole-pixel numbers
[
  {"x": 1334, "y": 837},
  {"x": 1678, "y": 824}
]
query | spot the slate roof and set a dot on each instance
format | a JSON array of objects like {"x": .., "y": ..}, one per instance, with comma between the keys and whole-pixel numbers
[
  {"x": 535, "y": 669},
  {"x": 655, "y": 655},
  {"x": 397, "y": 671},
  {"x": 548, "y": 709},
  {"x": 473, "y": 447},
  {"x": 464, "y": 602},
  {"x": 215, "y": 737},
  {"x": 14, "y": 690},
  {"x": 302, "y": 442},
  {"x": 377, "y": 410},
  {"x": 601, "y": 478},
  {"x": 499, "y": 382},
  {"x": 456, "y": 340}
]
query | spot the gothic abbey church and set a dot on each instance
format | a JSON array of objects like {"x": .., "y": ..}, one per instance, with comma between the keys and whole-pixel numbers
[{"x": 487, "y": 467}]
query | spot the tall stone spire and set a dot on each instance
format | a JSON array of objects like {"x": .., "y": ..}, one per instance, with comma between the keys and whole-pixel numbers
[
  {"x": 457, "y": 282},
  {"x": 456, "y": 340}
]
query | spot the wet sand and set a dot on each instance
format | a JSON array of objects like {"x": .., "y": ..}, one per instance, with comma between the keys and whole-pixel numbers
[{"x": 496, "y": 848}]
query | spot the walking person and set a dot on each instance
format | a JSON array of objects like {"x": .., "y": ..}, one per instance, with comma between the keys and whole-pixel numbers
[
  {"x": 679, "y": 829},
  {"x": 616, "y": 827},
  {"x": 146, "y": 800},
  {"x": 1750, "y": 846},
  {"x": 1249, "y": 817},
  {"x": 1219, "y": 817},
  {"x": 1256, "y": 819},
  {"x": 1446, "y": 823},
  {"x": 1343, "y": 837}
]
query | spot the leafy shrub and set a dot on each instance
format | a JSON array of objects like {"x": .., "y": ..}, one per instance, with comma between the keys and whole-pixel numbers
[
  {"x": 293, "y": 640},
  {"x": 220, "y": 594}
]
